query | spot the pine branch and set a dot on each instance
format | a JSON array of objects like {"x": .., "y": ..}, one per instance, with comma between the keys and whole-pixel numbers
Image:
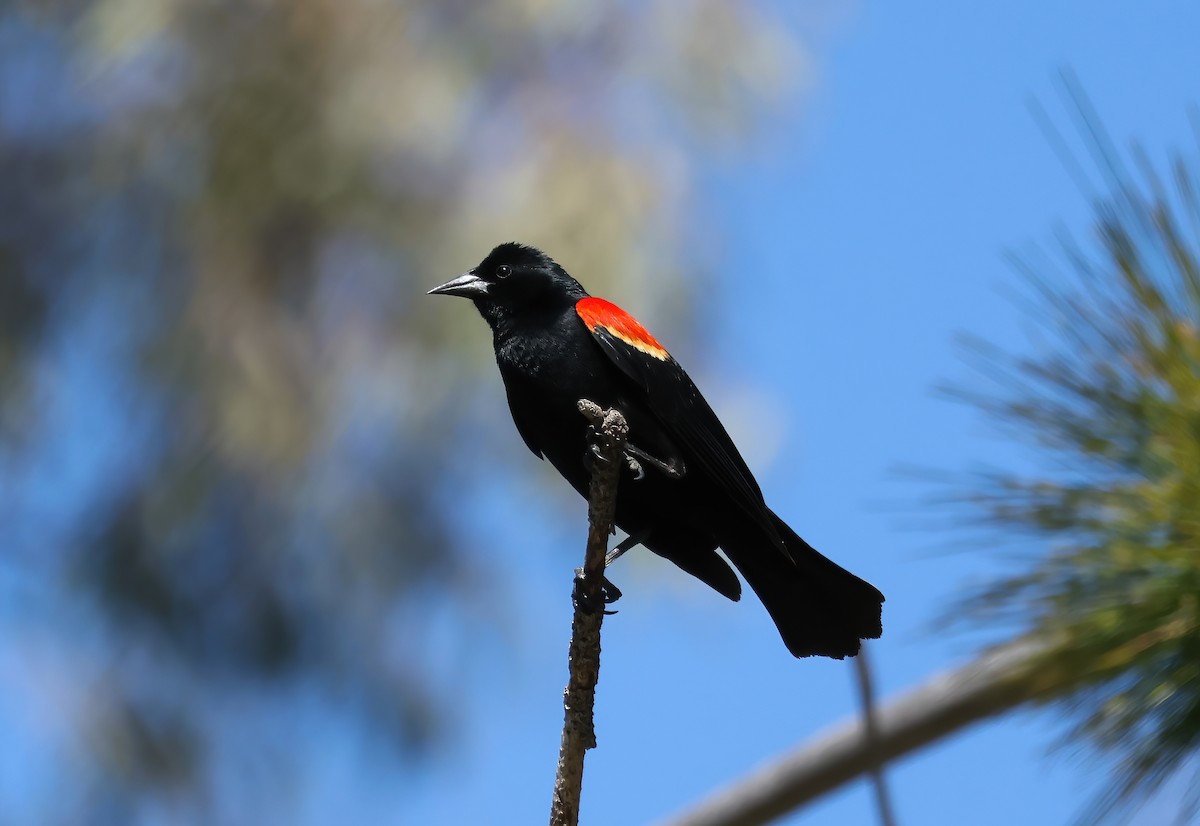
[{"x": 579, "y": 733}]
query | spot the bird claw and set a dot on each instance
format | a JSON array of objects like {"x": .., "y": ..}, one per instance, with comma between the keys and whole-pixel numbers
[
  {"x": 673, "y": 469},
  {"x": 609, "y": 594},
  {"x": 596, "y": 454},
  {"x": 635, "y": 466}
]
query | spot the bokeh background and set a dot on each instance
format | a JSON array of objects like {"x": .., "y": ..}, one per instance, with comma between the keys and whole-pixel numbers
[{"x": 270, "y": 548}]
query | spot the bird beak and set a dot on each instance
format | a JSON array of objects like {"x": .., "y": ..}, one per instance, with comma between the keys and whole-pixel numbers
[{"x": 468, "y": 285}]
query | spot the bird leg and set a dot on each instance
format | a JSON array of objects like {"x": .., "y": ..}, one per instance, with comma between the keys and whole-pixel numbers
[
  {"x": 595, "y": 453},
  {"x": 673, "y": 469},
  {"x": 617, "y": 552}
]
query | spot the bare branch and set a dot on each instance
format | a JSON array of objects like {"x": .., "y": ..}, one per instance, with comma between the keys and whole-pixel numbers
[
  {"x": 579, "y": 733},
  {"x": 996, "y": 682}
]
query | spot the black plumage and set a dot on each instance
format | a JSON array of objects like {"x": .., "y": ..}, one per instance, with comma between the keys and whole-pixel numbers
[{"x": 555, "y": 345}]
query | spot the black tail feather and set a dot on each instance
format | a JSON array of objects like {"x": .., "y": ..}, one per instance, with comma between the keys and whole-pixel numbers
[{"x": 819, "y": 607}]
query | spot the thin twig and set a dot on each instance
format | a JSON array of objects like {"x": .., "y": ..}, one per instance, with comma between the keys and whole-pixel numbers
[
  {"x": 579, "y": 733},
  {"x": 866, "y": 696}
]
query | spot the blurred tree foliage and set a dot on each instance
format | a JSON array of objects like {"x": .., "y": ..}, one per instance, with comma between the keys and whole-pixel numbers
[
  {"x": 1109, "y": 400},
  {"x": 222, "y": 396}
]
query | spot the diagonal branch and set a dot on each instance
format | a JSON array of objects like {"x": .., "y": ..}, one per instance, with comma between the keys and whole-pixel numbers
[
  {"x": 579, "y": 733},
  {"x": 1032, "y": 669},
  {"x": 996, "y": 682}
]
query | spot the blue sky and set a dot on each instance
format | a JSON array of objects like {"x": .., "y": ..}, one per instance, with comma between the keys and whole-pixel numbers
[
  {"x": 844, "y": 253},
  {"x": 867, "y": 231}
]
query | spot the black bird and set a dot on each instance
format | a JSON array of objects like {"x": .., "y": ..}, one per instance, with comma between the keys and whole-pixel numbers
[{"x": 555, "y": 345}]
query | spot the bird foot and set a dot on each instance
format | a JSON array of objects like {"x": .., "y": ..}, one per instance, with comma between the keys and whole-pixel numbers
[
  {"x": 673, "y": 469},
  {"x": 634, "y": 458},
  {"x": 596, "y": 454},
  {"x": 609, "y": 594}
]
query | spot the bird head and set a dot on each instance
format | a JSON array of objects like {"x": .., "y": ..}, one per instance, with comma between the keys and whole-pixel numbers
[{"x": 512, "y": 279}]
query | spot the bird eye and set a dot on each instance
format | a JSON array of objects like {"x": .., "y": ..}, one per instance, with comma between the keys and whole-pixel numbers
[{"x": 503, "y": 271}]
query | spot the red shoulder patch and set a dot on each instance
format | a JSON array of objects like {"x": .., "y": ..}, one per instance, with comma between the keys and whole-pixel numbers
[{"x": 596, "y": 312}]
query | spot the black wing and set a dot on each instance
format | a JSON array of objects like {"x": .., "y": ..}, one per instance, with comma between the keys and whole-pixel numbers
[{"x": 676, "y": 402}]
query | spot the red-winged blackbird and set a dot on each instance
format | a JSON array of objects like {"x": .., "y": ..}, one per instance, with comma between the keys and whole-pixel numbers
[{"x": 555, "y": 345}]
